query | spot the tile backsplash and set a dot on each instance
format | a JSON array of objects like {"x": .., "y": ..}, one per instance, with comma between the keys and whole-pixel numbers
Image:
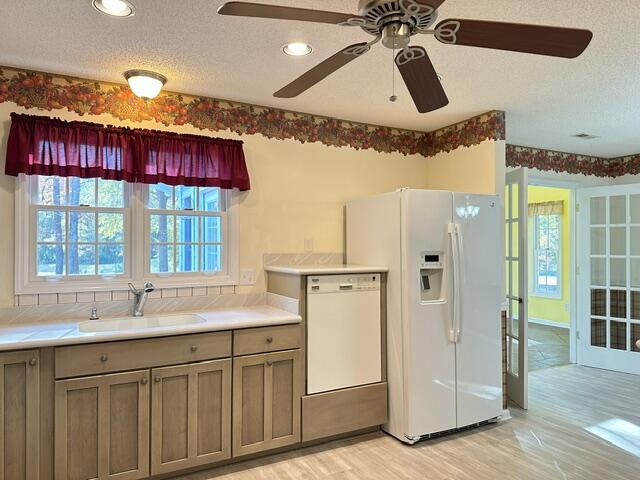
[
  {"x": 121, "y": 307},
  {"x": 302, "y": 259},
  {"x": 116, "y": 295}
]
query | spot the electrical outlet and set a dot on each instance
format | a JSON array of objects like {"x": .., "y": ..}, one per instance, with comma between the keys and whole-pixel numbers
[
  {"x": 308, "y": 245},
  {"x": 566, "y": 307},
  {"x": 247, "y": 276}
]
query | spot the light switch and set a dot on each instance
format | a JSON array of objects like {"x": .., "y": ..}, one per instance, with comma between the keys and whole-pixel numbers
[
  {"x": 247, "y": 276},
  {"x": 308, "y": 245}
]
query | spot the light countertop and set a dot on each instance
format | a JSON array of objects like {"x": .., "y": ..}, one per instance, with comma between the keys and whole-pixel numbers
[
  {"x": 20, "y": 337},
  {"x": 324, "y": 269}
]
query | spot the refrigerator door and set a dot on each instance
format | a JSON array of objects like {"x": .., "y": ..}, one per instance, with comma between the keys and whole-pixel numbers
[
  {"x": 429, "y": 354},
  {"x": 478, "y": 347}
]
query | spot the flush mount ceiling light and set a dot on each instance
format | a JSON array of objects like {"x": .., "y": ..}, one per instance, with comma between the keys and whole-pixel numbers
[
  {"x": 115, "y": 8},
  {"x": 297, "y": 49},
  {"x": 145, "y": 84}
]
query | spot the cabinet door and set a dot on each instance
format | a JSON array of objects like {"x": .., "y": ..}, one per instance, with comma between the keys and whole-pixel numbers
[
  {"x": 191, "y": 415},
  {"x": 267, "y": 390},
  {"x": 102, "y": 427},
  {"x": 19, "y": 415}
]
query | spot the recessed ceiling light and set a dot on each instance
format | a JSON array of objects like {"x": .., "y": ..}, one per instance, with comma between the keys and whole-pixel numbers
[
  {"x": 297, "y": 49},
  {"x": 116, "y": 8},
  {"x": 145, "y": 84}
]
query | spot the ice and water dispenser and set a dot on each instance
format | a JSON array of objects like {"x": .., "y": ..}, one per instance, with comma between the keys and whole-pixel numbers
[{"x": 431, "y": 273}]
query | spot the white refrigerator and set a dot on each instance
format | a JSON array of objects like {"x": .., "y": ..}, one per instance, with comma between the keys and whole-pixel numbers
[{"x": 444, "y": 295}]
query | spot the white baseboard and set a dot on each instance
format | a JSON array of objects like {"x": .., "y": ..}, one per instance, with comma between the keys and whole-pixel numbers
[{"x": 549, "y": 323}]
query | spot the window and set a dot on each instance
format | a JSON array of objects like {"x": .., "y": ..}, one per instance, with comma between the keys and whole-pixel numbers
[
  {"x": 186, "y": 229},
  {"x": 79, "y": 226},
  {"x": 103, "y": 234},
  {"x": 546, "y": 255}
]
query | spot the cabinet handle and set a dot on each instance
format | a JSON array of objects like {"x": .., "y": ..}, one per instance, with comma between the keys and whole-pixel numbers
[
  {"x": 33, "y": 361},
  {"x": 157, "y": 379},
  {"x": 269, "y": 339},
  {"x": 103, "y": 358},
  {"x": 194, "y": 348},
  {"x": 144, "y": 380},
  {"x": 269, "y": 363}
]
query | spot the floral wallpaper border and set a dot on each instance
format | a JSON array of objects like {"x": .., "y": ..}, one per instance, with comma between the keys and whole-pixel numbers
[
  {"x": 46, "y": 91},
  {"x": 550, "y": 160}
]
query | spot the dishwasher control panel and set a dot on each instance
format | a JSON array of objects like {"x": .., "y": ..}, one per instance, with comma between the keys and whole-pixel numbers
[{"x": 356, "y": 282}]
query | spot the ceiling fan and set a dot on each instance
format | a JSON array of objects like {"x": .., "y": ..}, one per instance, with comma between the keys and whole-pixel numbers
[{"x": 394, "y": 22}]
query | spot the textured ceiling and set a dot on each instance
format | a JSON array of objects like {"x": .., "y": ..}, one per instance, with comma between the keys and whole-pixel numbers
[{"x": 546, "y": 99}]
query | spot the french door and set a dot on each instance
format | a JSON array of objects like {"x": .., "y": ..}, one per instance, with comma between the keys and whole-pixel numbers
[
  {"x": 609, "y": 281},
  {"x": 516, "y": 210}
]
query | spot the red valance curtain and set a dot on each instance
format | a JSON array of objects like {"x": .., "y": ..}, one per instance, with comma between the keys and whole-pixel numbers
[{"x": 46, "y": 146}]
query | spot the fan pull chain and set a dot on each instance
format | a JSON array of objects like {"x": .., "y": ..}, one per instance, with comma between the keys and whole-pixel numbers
[{"x": 393, "y": 96}]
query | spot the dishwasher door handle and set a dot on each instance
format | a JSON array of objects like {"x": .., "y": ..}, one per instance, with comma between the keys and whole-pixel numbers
[{"x": 346, "y": 286}]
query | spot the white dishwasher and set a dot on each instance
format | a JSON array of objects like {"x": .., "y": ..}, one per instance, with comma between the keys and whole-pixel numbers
[{"x": 344, "y": 346}]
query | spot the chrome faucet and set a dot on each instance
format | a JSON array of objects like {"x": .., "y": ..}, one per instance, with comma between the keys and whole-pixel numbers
[{"x": 140, "y": 297}]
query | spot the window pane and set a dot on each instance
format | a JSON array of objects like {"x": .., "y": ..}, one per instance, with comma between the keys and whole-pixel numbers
[
  {"x": 212, "y": 232},
  {"x": 161, "y": 196},
  {"x": 598, "y": 241},
  {"x": 51, "y": 226},
  {"x": 162, "y": 228},
  {"x": 209, "y": 199},
  {"x": 161, "y": 259},
  {"x": 186, "y": 198},
  {"x": 82, "y": 191},
  {"x": 186, "y": 229},
  {"x": 635, "y": 241},
  {"x": 212, "y": 258},
  {"x": 110, "y": 193},
  {"x": 635, "y": 208},
  {"x": 187, "y": 258},
  {"x": 82, "y": 259},
  {"x": 618, "y": 273},
  {"x": 618, "y": 209},
  {"x": 52, "y": 191},
  {"x": 110, "y": 259},
  {"x": 618, "y": 240},
  {"x": 82, "y": 227},
  {"x": 51, "y": 260},
  {"x": 110, "y": 227},
  {"x": 598, "y": 272},
  {"x": 598, "y": 210},
  {"x": 635, "y": 273}
]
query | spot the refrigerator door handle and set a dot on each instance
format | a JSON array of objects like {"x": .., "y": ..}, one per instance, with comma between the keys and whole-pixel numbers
[
  {"x": 453, "y": 312},
  {"x": 460, "y": 282}
]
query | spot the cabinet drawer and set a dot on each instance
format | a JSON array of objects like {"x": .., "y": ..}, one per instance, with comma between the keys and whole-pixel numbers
[
  {"x": 342, "y": 411},
  {"x": 91, "y": 359},
  {"x": 266, "y": 339}
]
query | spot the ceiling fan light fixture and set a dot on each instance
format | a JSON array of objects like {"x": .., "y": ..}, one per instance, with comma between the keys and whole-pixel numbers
[
  {"x": 145, "y": 84},
  {"x": 297, "y": 49},
  {"x": 115, "y": 8}
]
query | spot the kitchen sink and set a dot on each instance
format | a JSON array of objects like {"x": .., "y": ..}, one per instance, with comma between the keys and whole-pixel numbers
[{"x": 139, "y": 323}]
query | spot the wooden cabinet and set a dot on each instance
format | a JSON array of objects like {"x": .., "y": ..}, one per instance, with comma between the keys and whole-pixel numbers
[
  {"x": 19, "y": 415},
  {"x": 102, "y": 427},
  {"x": 267, "y": 389},
  {"x": 191, "y": 415}
]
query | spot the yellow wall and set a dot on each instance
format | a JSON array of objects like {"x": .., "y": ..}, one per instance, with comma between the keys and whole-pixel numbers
[
  {"x": 297, "y": 190},
  {"x": 551, "y": 308}
]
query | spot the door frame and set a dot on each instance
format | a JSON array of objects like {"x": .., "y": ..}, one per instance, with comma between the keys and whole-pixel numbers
[{"x": 573, "y": 259}]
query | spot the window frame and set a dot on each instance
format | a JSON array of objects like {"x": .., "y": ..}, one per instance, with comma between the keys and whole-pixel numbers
[
  {"x": 535, "y": 251},
  {"x": 136, "y": 252}
]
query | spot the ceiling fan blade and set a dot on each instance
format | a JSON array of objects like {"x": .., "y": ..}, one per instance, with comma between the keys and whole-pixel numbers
[
  {"x": 421, "y": 79},
  {"x": 516, "y": 37},
  {"x": 260, "y": 10},
  {"x": 323, "y": 70}
]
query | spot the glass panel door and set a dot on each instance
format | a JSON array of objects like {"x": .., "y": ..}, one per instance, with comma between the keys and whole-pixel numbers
[
  {"x": 516, "y": 284},
  {"x": 609, "y": 284}
]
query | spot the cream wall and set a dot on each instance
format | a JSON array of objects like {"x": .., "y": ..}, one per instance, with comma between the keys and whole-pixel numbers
[
  {"x": 476, "y": 169},
  {"x": 298, "y": 190}
]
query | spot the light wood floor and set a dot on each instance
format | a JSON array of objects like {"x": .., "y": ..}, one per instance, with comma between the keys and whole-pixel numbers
[{"x": 548, "y": 442}]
